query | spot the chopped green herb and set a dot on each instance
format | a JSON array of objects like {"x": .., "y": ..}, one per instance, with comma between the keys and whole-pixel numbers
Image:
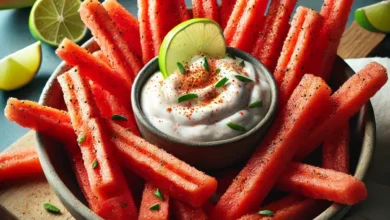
[
  {"x": 235, "y": 126},
  {"x": 95, "y": 164},
  {"x": 181, "y": 68},
  {"x": 81, "y": 139},
  {"x": 266, "y": 213},
  {"x": 51, "y": 208},
  {"x": 187, "y": 97},
  {"x": 243, "y": 78},
  {"x": 118, "y": 118},
  {"x": 158, "y": 194},
  {"x": 242, "y": 64},
  {"x": 257, "y": 104},
  {"x": 221, "y": 82},
  {"x": 70, "y": 86},
  {"x": 206, "y": 64},
  {"x": 155, "y": 207},
  {"x": 230, "y": 56},
  {"x": 218, "y": 70}
]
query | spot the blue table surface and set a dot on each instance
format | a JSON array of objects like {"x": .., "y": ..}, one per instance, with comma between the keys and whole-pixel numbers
[{"x": 15, "y": 35}]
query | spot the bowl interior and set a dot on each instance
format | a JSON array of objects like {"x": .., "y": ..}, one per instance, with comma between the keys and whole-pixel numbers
[{"x": 61, "y": 178}]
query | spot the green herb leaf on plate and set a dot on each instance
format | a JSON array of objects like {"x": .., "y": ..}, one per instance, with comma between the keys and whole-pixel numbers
[
  {"x": 155, "y": 207},
  {"x": 158, "y": 194},
  {"x": 242, "y": 64},
  {"x": 206, "y": 64},
  {"x": 243, "y": 78},
  {"x": 218, "y": 70},
  {"x": 187, "y": 97},
  {"x": 81, "y": 139},
  {"x": 236, "y": 127},
  {"x": 51, "y": 208},
  {"x": 95, "y": 164},
  {"x": 221, "y": 82},
  {"x": 257, "y": 104},
  {"x": 118, "y": 118},
  {"x": 181, "y": 68},
  {"x": 266, "y": 212}
]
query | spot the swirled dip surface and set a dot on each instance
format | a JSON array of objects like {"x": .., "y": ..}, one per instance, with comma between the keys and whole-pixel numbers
[{"x": 206, "y": 117}]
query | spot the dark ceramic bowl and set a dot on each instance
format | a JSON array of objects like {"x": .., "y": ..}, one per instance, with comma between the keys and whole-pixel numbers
[
  {"x": 206, "y": 155},
  {"x": 60, "y": 176}
]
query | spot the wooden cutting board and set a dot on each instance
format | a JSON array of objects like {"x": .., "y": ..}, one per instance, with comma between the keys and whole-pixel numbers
[{"x": 23, "y": 199}]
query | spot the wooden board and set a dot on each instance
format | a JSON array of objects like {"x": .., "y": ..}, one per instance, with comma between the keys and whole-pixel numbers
[
  {"x": 358, "y": 42},
  {"x": 24, "y": 199}
]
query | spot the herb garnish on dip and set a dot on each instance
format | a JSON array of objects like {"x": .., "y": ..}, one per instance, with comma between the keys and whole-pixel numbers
[{"x": 205, "y": 97}]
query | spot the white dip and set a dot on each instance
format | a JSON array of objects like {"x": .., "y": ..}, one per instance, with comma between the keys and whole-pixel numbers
[{"x": 206, "y": 117}]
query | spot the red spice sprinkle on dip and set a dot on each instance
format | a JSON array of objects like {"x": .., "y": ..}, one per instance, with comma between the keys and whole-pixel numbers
[{"x": 201, "y": 100}]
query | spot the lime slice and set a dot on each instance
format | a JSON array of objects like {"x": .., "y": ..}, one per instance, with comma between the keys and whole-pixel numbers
[
  {"x": 53, "y": 20},
  {"x": 8, "y": 4},
  {"x": 375, "y": 17},
  {"x": 199, "y": 36},
  {"x": 18, "y": 69}
]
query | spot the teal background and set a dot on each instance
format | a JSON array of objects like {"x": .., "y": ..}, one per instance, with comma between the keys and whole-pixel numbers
[{"x": 15, "y": 35}]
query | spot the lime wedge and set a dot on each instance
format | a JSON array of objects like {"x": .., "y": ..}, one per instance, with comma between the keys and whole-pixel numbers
[
  {"x": 375, "y": 17},
  {"x": 19, "y": 68},
  {"x": 8, "y": 4},
  {"x": 199, "y": 36},
  {"x": 53, "y": 20}
]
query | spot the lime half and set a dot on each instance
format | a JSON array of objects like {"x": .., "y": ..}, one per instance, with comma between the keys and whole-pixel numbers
[
  {"x": 8, "y": 4},
  {"x": 199, "y": 36},
  {"x": 375, "y": 17},
  {"x": 53, "y": 20},
  {"x": 18, "y": 69}
]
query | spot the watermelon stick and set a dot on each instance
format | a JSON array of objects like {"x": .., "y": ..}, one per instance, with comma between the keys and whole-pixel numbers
[
  {"x": 52, "y": 122},
  {"x": 179, "y": 179},
  {"x": 263, "y": 169},
  {"x": 347, "y": 101},
  {"x": 164, "y": 16},
  {"x": 154, "y": 204},
  {"x": 145, "y": 30},
  {"x": 112, "y": 208},
  {"x": 94, "y": 202},
  {"x": 110, "y": 39},
  {"x": 111, "y": 107},
  {"x": 128, "y": 25},
  {"x": 226, "y": 11},
  {"x": 175, "y": 177},
  {"x": 272, "y": 34},
  {"x": 19, "y": 164},
  {"x": 183, "y": 211},
  {"x": 332, "y": 185},
  {"x": 289, "y": 207},
  {"x": 314, "y": 183},
  {"x": 94, "y": 69},
  {"x": 206, "y": 9},
  {"x": 296, "y": 51},
  {"x": 335, "y": 151},
  {"x": 25, "y": 163},
  {"x": 100, "y": 55},
  {"x": 104, "y": 174},
  {"x": 244, "y": 23},
  {"x": 335, "y": 15},
  {"x": 157, "y": 18}
]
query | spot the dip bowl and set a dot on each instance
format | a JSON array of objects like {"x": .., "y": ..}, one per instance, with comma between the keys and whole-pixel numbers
[{"x": 211, "y": 155}]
